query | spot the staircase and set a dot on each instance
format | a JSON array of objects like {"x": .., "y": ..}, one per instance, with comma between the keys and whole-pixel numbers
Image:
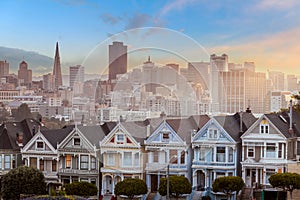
[
  {"x": 197, "y": 195},
  {"x": 246, "y": 194}
]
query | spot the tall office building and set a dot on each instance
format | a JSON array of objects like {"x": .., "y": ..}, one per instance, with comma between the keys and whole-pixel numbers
[
  {"x": 217, "y": 64},
  {"x": 24, "y": 74},
  {"x": 277, "y": 79},
  {"x": 292, "y": 82},
  {"x": 76, "y": 75},
  {"x": 4, "y": 68},
  {"x": 117, "y": 60},
  {"x": 48, "y": 82},
  {"x": 57, "y": 68}
]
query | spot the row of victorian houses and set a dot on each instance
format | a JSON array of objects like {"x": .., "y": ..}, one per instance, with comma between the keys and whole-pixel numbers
[{"x": 201, "y": 148}]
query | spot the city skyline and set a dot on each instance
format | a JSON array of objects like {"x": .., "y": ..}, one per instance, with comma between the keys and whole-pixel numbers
[{"x": 260, "y": 31}]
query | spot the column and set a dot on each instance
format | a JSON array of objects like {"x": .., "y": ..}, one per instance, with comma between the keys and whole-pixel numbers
[
  {"x": 11, "y": 161},
  {"x": 89, "y": 162},
  {"x": 148, "y": 181},
  {"x": 256, "y": 175},
  {"x": 150, "y": 156},
  {"x": 226, "y": 154},
  {"x": 185, "y": 158},
  {"x": 38, "y": 163},
  {"x": 158, "y": 180},
  {"x": 79, "y": 166},
  {"x": 194, "y": 179},
  {"x": 215, "y": 154}
]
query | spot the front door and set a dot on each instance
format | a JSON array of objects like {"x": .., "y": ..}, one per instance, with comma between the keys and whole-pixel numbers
[{"x": 154, "y": 180}]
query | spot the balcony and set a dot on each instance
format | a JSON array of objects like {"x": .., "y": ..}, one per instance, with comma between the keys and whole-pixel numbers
[
  {"x": 78, "y": 171},
  {"x": 207, "y": 164},
  {"x": 123, "y": 169},
  {"x": 50, "y": 174}
]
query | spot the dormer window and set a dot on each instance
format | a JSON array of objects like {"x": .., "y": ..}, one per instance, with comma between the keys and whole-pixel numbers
[
  {"x": 76, "y": 141},
  {"x": 264, "y": 126},
  {"x": 166, "y": 136},
  {"x": 40, "y": 145}
]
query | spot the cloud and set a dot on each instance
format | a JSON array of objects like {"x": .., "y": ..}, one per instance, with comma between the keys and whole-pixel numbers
[
  {"x": 138, "y": 20},
  {"x": 174, "y": 5},
  {"x": 277, "y": 52},
  {"x": 110, "y": 19},
  {"x": 277, "y": 4}
]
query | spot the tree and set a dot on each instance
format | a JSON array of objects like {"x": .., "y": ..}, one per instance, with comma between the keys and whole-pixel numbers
[
  {"x": 228, "y": 185},
  {"x": 22, "y": 112},
  {"x": 22, "y": 180},
  {"x": 83, "y": 189},
  {"x": 131, "y": 187},
  {"x": 286, "y": 181},
  {"x": 178, "y": 186}
]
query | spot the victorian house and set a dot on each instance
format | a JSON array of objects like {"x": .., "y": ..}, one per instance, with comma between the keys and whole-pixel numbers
[
  {"x": 168, "y": 149},
  {"x": 216, "y": 148},
  {"x": 13, "y": 137},
  {"x": 122, "y": 153},
  {"x": 79, "y": 155},
  {"x": 41, "y": 152},
  {"x": 269, "y": 145}
]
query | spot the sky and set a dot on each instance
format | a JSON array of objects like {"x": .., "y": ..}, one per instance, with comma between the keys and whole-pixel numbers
[{"x": 264, "y": 31}]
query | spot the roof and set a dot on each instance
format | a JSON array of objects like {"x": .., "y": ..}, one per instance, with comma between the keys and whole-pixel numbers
[
  {"x": 55, "y": 136},
  {"x": 92, "y": 133},
  {"x": 232, "y": 123},
  {"x": 9, "y": 131}
]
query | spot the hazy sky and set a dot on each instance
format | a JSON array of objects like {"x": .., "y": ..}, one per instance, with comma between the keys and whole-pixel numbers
[{"x": 264, "y": 31}]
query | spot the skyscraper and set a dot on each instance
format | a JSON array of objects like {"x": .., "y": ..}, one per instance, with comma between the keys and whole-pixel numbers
[
  {"x": 24, "y": 74},
  {"x": 57, "y": 68},
  {"x": 4, "y": 68},
  {"x": 117, "y": 60},
  {"x": 76, "y": 75}
]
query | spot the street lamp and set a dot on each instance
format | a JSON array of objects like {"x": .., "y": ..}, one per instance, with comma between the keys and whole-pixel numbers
[{"x": 168, "y": 177}]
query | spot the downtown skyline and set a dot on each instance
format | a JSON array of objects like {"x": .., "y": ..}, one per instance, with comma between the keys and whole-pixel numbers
[{"x": 264, "y": 32}]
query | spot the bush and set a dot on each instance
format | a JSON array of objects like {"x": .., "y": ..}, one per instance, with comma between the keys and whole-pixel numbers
[
  {"x": 206, "y": 198},
  {"x": 131, "y": 187},
  {"x": 22, "y": 180},
  {"x": 84, "y": 189}
]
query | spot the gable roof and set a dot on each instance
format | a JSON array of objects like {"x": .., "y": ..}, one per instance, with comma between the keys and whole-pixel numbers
[
  {"x": 9, "y": 130},
  {"x": 55, "y": 136},
  {"x": 232, "y": 123},
  {"x": 93, "y": 134}
]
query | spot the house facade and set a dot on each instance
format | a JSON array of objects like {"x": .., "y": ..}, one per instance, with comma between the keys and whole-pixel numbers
[
  {"x": 122, "y": 157},
  {"x": 268, "y": 146},
  {"x": 165, "y": 149}
]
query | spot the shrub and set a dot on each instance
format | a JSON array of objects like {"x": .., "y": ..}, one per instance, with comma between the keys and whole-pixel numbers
[{"x": 84, "y": 189}]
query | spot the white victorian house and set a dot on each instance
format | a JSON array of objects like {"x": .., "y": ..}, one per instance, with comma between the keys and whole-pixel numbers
[
  {"x": 166, "y": 148},
  {"x": 268, "y": 146},
  {"x": 122, "y": 155},
  {"x": 216, "y": 148}
]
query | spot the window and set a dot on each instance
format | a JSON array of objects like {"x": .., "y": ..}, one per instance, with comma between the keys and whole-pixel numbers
[
  {"x": 42, "y": 165},
  {"x": 264, "y": 126},
  {"x": 40, "y": 145},
  {"x": 271, "y": 150},
  {"x": 212, "y": 133},
  {"x": 250, "y": 152},
  {"x": 33, "y": 162},
  {"x": 220, "y": 174},
  {"x": 110, "y": 159},
  {"x": 54, "y": 163},
  {"x": 93, "y": 181},
  {"x": 7, "y": 162},
  {"x": 165, "y": 136},
  {"x": 269, "y": 172},
  {"x": 230, "y": 154},
  {"x": 76, "y": 141},
  {"x": 68, "y": 161},
  {"x": 127, "y": 158},
  {"x": 137, "y": 159},
  {"x": 93, "y": 163},
  {"x": 220, "y": 154},
  {"x": 155, "y": 156},
  {"x": 202, "y": 154},
  {"x": 84, "y": 162},
  {"x": 280, "y": 150},
  {"x": 120, "y": 138}
]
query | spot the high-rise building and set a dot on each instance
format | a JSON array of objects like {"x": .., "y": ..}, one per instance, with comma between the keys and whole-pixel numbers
[
  {"x": 76, "y": 75},
  {"x": 57, "y": 68},
  {"x": 117, "y": 60},
  {"x": 250, "y": 66},
  {"x": 4, "y": 68},
  {"x": 48, "y": 82},
  {"x": 24, "y": 74},
  {"x": 217, "y": 64},
  {"x": 277, "y": 79},
  {"x": 279, "y": 100},
  {"x": 292, "y": 83}
]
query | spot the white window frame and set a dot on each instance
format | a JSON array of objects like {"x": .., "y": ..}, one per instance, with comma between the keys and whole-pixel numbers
[
  {"x": 93, "y": 163},
  {"x": 36, "y": 145},
  {"x": 127, "y": 161},
  {"x": 75, "y": 144},
  {"x": 7, "y": 163},
  {"x": 110, "y": 159},
  {"x": 212, "y": 133},
  {"x": 84, "y": 162},
  {"x": 119, "y": 140},
  {"x": 250, "y": 147}
]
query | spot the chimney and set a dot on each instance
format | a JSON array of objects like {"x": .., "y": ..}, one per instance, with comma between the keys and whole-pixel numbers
[
  {"x": 291, "y": 131},
  {"x": 33, "y": 130},
  {"x": 148, "y": 130},
  {"x": 19, "y": 139}
]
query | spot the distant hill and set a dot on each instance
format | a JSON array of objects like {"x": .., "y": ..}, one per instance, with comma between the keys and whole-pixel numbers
[{"x": 40, "y": 64}]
